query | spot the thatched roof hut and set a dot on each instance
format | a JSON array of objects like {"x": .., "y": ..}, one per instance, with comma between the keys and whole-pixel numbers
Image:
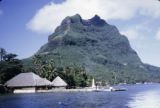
[
  {"x": 29, "y": 79},
  {"x": 58, "y": 82}
]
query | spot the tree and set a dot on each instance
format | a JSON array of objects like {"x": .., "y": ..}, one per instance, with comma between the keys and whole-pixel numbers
[
  {"x": 74, "y": 75},
  {"x": 9, "y": 67},
  {"x": 37, "y": 59},
  {"x": 10, "y": 57},
  {"x": 2, "y": 53},
  {"x": 44, "y": 68},
  {"x": 38, "y": 64},
  {"x": 49, "y": 70}
]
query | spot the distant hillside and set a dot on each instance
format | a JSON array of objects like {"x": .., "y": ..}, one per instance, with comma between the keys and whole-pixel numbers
[{"x": 99, "y": 47}]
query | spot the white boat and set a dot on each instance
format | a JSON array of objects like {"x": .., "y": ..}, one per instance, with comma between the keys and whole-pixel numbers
[
  {"x": 117, "y": 89},
  {"x": 98, "y": 89},
  {"x": 102, "y": 90},
  {"x": 109, "y": 89}
]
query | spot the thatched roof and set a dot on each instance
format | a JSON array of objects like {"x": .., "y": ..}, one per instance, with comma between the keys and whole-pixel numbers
[
  {"x": 58, "y": 82},
  {"x": 27, "y": 80}
]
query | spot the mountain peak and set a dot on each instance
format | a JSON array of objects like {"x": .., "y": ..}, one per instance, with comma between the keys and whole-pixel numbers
[
  {"x": 96, "y": 20},
  {"x": 72, "y": 19},
  {"x": 96, "y": 17}
]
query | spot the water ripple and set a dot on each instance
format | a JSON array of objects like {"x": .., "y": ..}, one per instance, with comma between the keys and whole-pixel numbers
[{"x": 148, "y": 99}]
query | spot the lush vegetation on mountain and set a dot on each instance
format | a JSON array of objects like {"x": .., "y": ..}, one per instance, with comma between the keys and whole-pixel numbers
[{"x": 99, "y": 48}]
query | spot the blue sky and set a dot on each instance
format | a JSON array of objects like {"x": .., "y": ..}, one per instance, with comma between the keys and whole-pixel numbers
[{"x": 26, "y": 24}]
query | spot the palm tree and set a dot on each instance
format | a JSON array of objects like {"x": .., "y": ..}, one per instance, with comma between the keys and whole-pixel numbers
[
  {"x": 10, "y": 57},
  {"x": 44, "y": 68},
  {"x": 37, "y": 59},
  {"x": 2, "y": 53},
  {"x": 38, "y": 62}
]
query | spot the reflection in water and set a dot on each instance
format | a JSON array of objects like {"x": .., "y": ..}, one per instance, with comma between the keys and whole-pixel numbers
[{"x": 148, "y": 99}]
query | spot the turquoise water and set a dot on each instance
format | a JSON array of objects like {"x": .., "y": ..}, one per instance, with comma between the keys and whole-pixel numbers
[{"x": 137, "y": 96}]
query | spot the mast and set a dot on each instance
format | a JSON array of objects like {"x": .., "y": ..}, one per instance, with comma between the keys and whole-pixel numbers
[{"x": 93, "y": 83}]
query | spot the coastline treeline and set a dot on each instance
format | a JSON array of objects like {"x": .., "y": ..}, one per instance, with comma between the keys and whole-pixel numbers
[
  {"x": 9, "y": 66},
  {"x": 74, "y": 75}
]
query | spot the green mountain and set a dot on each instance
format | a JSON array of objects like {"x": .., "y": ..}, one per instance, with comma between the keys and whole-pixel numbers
[{"x": 99, "y": 47}]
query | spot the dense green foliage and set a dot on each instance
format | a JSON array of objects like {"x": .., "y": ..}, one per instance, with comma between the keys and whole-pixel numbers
[
  {"x": 74, "y": 75},
  {"x": 9, "y": 67}
]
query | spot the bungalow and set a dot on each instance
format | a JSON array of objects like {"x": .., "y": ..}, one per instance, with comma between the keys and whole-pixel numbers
[
  {"x": 59, "y": 83},
  {"x": 27, "y": 83}
]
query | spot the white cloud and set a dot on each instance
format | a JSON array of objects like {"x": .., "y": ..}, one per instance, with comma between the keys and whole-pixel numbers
[
  {"x": 131, "y": 34},
  {"x": 50, "y": 16},
  {"x": 158, "y": 34},
  {"x": 134, "y": 32}
]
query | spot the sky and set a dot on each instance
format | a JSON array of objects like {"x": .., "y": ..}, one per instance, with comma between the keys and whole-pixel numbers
[{"x": 26, "y": 24}]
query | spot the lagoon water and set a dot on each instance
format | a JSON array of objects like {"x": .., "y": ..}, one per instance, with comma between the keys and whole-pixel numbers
[{"x": 137, "y": 96}]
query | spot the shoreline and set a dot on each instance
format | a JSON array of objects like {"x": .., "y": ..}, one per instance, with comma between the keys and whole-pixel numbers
[{"x": 66, "y": 90}]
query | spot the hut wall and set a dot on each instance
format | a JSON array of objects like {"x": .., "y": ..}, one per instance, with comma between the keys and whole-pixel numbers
[{"x": 25, "y": 90}]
